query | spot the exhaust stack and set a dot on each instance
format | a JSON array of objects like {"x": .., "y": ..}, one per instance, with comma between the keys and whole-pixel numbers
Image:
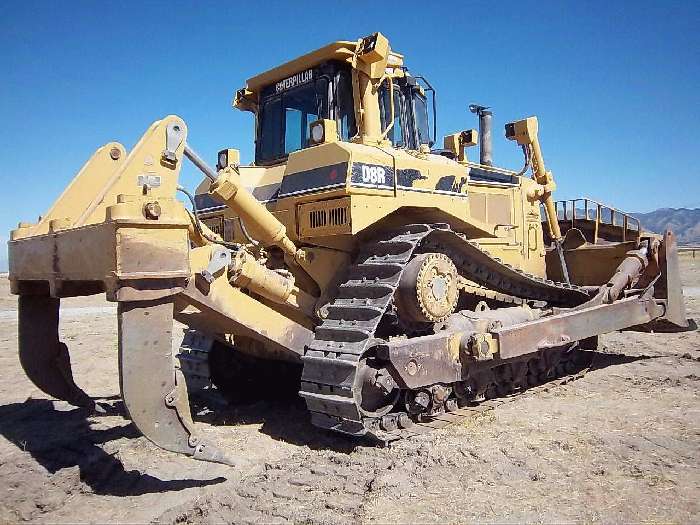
[{"x": 485, "y": 116}]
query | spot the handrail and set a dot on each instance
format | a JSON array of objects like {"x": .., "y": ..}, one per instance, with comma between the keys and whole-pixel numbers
[{"x": 603, "y": 214}]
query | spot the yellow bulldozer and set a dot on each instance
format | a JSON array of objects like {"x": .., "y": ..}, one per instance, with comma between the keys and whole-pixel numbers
[{"x": 405, "y": 281}]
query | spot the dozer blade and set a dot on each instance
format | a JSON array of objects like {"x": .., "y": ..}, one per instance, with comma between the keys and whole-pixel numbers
[
  {"x": 670, "y": 286},
  {"x": 43, "y": 356},
  {"x": 153, "y": 390}
]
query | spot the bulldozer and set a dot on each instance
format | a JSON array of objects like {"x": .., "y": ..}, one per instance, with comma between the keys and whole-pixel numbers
[{"x": 404, "y": 280}]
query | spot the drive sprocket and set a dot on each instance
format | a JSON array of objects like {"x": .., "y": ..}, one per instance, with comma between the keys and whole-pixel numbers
[{"x": 428, "y": 291}]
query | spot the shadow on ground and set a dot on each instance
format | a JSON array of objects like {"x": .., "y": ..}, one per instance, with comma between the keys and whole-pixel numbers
[
  {"x": 283, "y": 418},
  {"x": 265, "y": 392},
  {"x": 59, "y": 439},
  {"x": 283, "y": 415},
  {"x": 601, "y": 360}
]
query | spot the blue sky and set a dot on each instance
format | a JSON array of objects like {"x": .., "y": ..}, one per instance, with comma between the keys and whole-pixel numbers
[{"x": 615, "y": 84}]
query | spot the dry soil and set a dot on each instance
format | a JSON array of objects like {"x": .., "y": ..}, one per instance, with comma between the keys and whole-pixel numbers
[{"x": 622, "y": 444}]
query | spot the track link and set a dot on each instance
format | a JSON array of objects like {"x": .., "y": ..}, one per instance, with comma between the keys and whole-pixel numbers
[
  {"x": 466, "y": 411},
  {"x": 193, "y": 360},
  {"x": 332, "y": 360}
]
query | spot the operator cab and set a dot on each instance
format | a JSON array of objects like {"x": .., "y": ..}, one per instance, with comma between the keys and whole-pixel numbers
[{"x": 287, "y": 107}]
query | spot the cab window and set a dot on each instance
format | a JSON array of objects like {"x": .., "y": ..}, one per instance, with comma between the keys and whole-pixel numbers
[
  {"x": 286, "y": 111},
  {"x": 396, "y": 133},
  {"x": 344, "y": 106},
  {"x": 270, "y": 143},
  {"x": 420, "y": 112},
  {"x": 300, "y": 110},
  {"x": 284, "y": 122}
]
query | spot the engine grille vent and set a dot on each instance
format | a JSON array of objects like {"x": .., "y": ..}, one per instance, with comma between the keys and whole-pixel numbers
[
  {"x": 328, "y": 217},
  {"x": 325, "y": 218}
]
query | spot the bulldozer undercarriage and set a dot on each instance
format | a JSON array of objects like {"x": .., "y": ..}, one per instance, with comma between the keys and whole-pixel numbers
[
  {"x": 487, "y": 389},
  {"x": 347, "y": 387}
]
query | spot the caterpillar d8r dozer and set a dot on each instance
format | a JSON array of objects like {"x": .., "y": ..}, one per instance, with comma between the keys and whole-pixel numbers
[{"x": 407, "y": 283}]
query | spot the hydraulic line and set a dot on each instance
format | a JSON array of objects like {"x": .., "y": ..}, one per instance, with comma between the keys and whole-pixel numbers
[{"x": 198, "y": 224}]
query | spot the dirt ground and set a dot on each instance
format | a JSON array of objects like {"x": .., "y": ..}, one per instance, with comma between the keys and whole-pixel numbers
[{"x": 622, "y": 444}]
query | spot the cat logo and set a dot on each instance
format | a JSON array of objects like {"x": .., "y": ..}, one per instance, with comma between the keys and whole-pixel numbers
[
  {"x": 295, "y": 80},
  {"x": 373, "y": 175}
]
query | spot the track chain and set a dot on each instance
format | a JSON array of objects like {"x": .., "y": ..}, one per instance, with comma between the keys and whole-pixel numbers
[
  {"x": 193, "y": 359},
  {"x": 332, "y": 360},
  {"x": 465, "y": 412}
]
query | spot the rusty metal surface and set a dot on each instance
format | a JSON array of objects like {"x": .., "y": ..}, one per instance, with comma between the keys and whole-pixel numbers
[
  {"x": 589, "y": 264},
  {"x": 43, "y": 357},
  {"x": 425, "y": 360},
  {"x": 464, "y": 412},
  {"x": 224, "y": 309},
  {"x": 575, "y": 325},
  {"x": 155, "y": 402},
  {"x": 447, "y": 357},
  {"x": 147, "y": 373},
  {"x": 670, "y": 286},
  {"x": 108, "y": 255}
]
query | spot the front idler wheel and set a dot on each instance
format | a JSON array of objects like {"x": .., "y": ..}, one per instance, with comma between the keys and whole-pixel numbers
[{"x": 377, "y": 393}]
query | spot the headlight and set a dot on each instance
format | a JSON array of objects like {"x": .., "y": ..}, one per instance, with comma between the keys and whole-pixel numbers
[
  {"x": 322, "y": 131},
  {"x": 222, "y": 161},
  {"x": 317, "y": 132}
]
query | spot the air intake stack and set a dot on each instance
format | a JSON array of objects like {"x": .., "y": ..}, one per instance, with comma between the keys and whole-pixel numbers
[{"x": 485, "y": 115}]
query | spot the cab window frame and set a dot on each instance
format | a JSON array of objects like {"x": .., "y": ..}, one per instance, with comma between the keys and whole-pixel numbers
[
  {"x": 420, "y": 130},
  {"x": 330, "y": 82},
  {"x": 342, "y": 91},
  {"x": 400, "y": 118}
]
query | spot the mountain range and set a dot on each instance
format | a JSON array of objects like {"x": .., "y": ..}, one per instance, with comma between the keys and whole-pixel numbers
[{"x": 684, "y": 222}]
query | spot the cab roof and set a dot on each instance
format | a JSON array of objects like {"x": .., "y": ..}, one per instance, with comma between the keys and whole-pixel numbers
[{"x": 340, "y": 50}]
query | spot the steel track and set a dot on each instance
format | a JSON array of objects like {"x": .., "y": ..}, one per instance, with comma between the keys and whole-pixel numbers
[
  {"x": 331, "y": 361},
  {"x": 464, "y": 413}
]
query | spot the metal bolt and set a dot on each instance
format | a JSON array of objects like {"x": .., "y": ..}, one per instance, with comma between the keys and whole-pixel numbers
[
  {"x": 389, "y": 423},
  {"x": 483, "y": 348},
  {"x": 473, "y": 345},
  {"x": 385, "y": 382},
  {"x": 421, "y": 401},
  {"x": 440, "y": 393},
  {"x": 479, "y": 347},
  {"x": 412, "y": 367},
  {"x": 115, "y": 153},
  {"x": 152, "y": 210}
]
